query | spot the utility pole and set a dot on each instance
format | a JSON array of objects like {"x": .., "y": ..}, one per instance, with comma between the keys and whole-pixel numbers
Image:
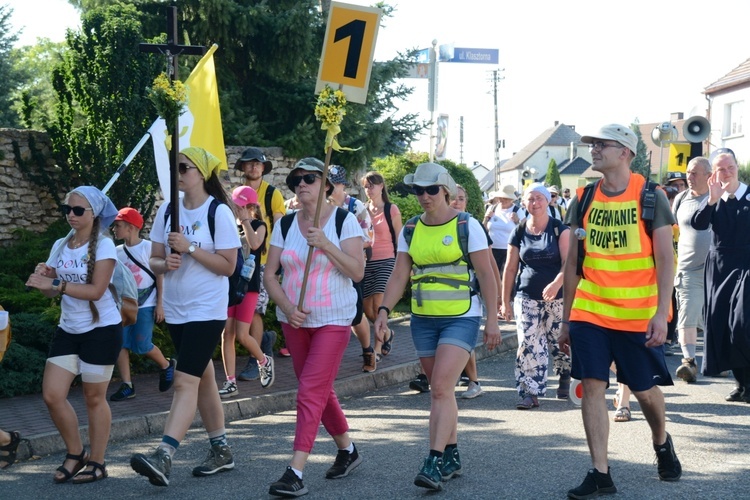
[
  {"x": 461, "y": 139},
  {"x": 495, "y": 79},
  {"x": 432, "y": 95}
]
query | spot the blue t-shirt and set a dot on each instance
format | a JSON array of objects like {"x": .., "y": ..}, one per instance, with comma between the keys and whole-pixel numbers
[{"x": 540, "y": 260}]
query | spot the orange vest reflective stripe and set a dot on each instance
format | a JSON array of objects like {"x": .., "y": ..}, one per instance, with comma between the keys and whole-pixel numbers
[{"x": 618, "y": 289}]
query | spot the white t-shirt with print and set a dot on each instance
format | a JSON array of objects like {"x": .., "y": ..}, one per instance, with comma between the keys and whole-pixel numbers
[
  {"x": 330, "y": 295},
  {"x": 72, "y": 266},
  {"x": 192, "y": 292},
  {"x": 477, "y": 242},
  {"x": 142, "y": 253}
]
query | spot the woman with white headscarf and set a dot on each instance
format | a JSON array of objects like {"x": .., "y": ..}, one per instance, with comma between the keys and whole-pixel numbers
[
  {"x": 539, "y": 245},
  {"x": 195, "y": 264},
  {"x": 88, "y": 338}
]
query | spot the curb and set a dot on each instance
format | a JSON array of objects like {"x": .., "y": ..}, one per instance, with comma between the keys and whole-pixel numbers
[{"x": 239, "y": 409}]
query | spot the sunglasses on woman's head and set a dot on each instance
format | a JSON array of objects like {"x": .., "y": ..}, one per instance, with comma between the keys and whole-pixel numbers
[
  {"x": 308, "y": 178},
  {"x": 431, "y": 190},
  {"x": 183, "y": 168},
  {"x": 77, "y": 211}
]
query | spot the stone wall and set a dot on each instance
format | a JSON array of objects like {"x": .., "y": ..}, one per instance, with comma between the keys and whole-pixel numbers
[{"x": 23, "y": 204}]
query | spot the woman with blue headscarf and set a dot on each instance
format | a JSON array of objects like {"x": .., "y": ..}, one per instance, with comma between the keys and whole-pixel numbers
[{"x": 89, "y": 337}]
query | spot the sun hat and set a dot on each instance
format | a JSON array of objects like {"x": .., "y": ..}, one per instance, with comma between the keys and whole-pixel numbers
[
  {"x": 431, "y": 174},
  {"x": 254, "y": 154},
  {"x": 131, "y": 216},
  {"x": 615, "y": 132},
  {"x": 244, "y": 195},
  {"x": 508, "y": 192}
]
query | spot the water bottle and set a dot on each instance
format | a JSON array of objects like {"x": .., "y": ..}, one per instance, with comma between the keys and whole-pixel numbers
[{"x": 248, "y": 268}]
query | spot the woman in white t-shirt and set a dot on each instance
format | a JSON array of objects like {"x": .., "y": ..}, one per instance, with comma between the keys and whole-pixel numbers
[
  {"x": 316, "y": 333},
  {"x": 195, "y": 263},
  {"x": 88, "y": 339}
]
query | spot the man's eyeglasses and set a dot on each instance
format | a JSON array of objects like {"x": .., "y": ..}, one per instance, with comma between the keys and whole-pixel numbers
[
  {"x": 308, "y": 178},
  {"x": 183, "y": 168},
  {"x": 77, "y": 211},
  {"x": 431, "y": 190},
  {"x": 600, "y": 145}
]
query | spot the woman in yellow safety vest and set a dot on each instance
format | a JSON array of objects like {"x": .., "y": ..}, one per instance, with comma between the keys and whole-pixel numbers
[{"x": 446, "y": 310}]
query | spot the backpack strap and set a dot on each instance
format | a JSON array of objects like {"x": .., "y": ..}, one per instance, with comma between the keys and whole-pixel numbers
[
  {"x": 137, "y": 263},
  {"x": 267, "y": 202},
  {"x": 286, "y": 222},
  {"x": 677, "y": 201},
  {"x": 463, "y": 236},
  {"x": 409, "y": 229},
  {"x": 389, "y": 221},
  {"x": 585, "y": 202},
  {"x": 353, "y": 205}
]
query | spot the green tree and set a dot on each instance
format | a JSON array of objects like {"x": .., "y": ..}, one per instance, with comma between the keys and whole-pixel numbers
[
  {"x": 35, "y": 99},
  {"x": 267, "y": 66},
  {"x": 553, "y": 174},
  {"x": 102, "y": 110},
  {"x": 8, "y": 75},
  {"x": 640, "y": 163}
]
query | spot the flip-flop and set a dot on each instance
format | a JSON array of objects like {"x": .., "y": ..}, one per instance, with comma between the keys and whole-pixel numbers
[
  {"x": 387, "y": 344},
  {"x": 622, "y": 414},
  {"x": 10, "y": 449}
]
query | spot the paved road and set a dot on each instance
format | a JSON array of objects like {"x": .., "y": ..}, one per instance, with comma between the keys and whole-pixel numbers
[{"x": 506, "y": 453}]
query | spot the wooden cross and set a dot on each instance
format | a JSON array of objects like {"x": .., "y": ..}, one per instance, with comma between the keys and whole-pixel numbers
[{"x": 172, "y": 49}]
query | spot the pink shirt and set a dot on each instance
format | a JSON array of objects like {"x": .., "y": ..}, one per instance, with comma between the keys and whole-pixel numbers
[{"x": 382, "y": 245}]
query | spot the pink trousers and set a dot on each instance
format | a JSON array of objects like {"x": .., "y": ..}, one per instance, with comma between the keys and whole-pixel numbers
[{"x": 316, "y": 356}]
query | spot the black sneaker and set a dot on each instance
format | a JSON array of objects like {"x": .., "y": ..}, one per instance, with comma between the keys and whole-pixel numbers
[
  {"x": 420, "y": 384},
  {"x": 593, "y": 485},
  {"x": 156, "y": 467},
  {"x": 166, "y": 376},
  {"x": 345, "y": 463},
  {"x": 289, "y": 486},
  {"x": 668, "y": 464},
  {"x": 124, "y": 392}
]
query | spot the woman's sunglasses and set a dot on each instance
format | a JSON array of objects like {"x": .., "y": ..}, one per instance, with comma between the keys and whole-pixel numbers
[
  {"x": 184, "y": 167},
  {"x": 77, "y": 211},
  {"x": 308, "y": 178},
  {"x": 431, "y": 190}
]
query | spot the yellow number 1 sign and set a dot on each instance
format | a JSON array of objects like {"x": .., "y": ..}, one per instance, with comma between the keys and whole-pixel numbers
[{"x": 348, "y": 50}]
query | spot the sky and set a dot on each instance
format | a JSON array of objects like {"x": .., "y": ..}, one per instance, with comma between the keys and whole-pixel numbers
[{"x": 580, "y": 62}]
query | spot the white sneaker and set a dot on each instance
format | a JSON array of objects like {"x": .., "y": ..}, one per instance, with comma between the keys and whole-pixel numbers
[
  {"x": 229, "y": 390},
  {"x": 473, "y": 391},
  {"x": 267, "y": 374}
]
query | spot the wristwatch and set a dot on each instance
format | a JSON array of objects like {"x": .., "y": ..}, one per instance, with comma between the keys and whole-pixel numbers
[
  {"x": 56, "y": 284},
  {"x": 191, "y": 249}
]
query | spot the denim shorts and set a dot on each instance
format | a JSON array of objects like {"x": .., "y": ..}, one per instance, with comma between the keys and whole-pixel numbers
[
  {"x": 428, "y": 332},
  {"x": 137, "y": 338},
  {"x": 594, "y": 348}
]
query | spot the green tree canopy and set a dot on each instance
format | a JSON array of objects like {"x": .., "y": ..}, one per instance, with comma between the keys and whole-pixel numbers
[
  {"x": 102, "y": 110},
  {"x": 8, "y": 73},
  {"x": 640, "y": 163},
  {"x": 553, "y": 175}
]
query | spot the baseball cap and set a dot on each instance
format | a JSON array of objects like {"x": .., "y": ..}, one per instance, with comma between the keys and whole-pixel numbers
[
  {"x": 675, "y": 176},
  {"x": 337, "y": 175},
  {"x": 431, "y": 174},
  {"x": 615, "y": 132},
  {"x": 244, "y": 195},
  {"x": 308, "y": 164},
  {"x": 254, "y": 154},
  {"x": 131, "y": 216},
  {"x": 721, "y": 151}
]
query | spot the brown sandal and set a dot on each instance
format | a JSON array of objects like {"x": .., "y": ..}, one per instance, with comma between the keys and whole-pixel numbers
[
  {"x": 89, "y": 476},
  {"x": 82, "y": 460},
  {"x": 10, "y": 450}
]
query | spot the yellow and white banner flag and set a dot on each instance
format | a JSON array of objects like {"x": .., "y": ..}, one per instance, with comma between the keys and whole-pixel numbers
[{"x": 200, "y": 124}]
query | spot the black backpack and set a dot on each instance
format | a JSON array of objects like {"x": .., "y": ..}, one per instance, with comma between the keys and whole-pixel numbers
[{"x": 238, "y": 285}]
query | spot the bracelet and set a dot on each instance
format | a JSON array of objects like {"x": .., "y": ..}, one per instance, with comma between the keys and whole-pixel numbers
[
  {"x": 383, "y": 308},
  {"x": 242, "y": 221},
  {"x": 62, "y": 287}
]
